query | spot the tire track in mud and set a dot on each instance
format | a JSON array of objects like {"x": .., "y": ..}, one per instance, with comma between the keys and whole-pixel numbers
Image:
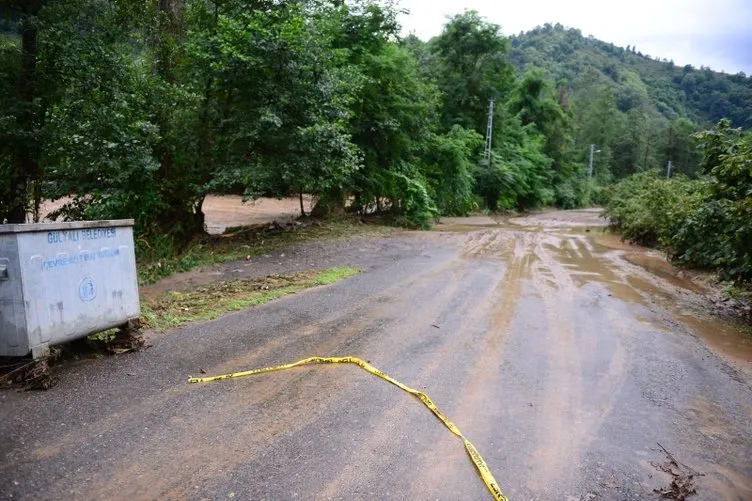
[
  {"x": 445, "y": 360},
  {"x": 476, "y": 309},
  {"x": 386, "y": 431},
  {"x": 557, "y": 441},
  {"x": 475, "y": 405},
  {"x": 569, "y": 420}
]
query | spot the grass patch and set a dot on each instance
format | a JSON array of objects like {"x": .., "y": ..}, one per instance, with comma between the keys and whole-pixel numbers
[
  {"x": 173, "y": 309},
  {"x": 158, "y": 257}
]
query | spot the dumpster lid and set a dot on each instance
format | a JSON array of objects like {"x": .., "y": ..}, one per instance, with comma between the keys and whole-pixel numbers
[{"x": 71, "y": 225}]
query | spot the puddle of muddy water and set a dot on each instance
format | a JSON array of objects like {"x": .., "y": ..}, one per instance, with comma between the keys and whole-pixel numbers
[
  {"x": 721, "y": 337},
  {"x": 661, "y": 284},
  {"x": 660, "y": 267},
  {"x": 605, "y": 240}
]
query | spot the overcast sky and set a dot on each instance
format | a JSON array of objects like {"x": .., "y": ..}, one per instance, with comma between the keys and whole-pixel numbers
[{"x": 715, "y": 33}]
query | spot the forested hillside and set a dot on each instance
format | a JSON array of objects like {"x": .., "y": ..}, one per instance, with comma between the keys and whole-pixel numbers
[{"x": 702, "y": 95}]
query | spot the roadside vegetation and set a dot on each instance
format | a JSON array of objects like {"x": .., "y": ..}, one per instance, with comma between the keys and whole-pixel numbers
[
  {"x": 173, "y": 309},
  {"x": 142, "y": 110},
  {"x": 703, "y": 223},
  {"x": 158, "y": 258}
]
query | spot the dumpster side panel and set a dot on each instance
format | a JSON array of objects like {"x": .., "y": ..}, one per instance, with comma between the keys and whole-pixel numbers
[
  {"x": 78, "y": 281},
  {"x": 13, "y": 338}
]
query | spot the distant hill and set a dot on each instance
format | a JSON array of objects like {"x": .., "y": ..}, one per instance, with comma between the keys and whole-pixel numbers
[{"x": 702, "y": 95}]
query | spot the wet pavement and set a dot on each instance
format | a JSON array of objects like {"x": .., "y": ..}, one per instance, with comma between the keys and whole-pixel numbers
[{"x": 562, "y": 353}]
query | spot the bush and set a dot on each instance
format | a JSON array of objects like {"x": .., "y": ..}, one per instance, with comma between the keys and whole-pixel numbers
[
  {"x": 577, "y": 192},
  {"x": 705, "y": 223},
  {"x": 450, "y": 170},
  {"x": 411, "y": 203},
  {"x": 643, "y": 207}
]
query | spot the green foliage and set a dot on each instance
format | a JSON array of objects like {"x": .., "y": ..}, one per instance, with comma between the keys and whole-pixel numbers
[
  {"x": 471, "y": 68},
  {"x": 702, "y": 96},
  {"x": 411, "y": 202},
  {"x": 704, "y": 223},
  {"x": 392, "y": 123},
  {"x": 450, "y": 170},
  {"x": 643, "y": 207},
  {"x": 634, "y": 109},
  {"x": 577, "y": 191}
]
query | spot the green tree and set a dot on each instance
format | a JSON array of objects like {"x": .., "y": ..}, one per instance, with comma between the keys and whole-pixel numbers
[
  {"x": 471, "y": 69},
  {"x": 24, "y": 115}
]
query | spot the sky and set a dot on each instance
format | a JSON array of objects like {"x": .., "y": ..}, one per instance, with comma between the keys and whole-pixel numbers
[{"x": 714, "y": 33}]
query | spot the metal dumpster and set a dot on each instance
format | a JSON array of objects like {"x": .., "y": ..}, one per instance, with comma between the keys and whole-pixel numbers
[{"x": 62, "y": 281}]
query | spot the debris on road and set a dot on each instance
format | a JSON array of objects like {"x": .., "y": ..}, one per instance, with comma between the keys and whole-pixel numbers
[
  {"x": 30, "y": 374},
  {"x": 121, "y": 340},
  {"x": 682, "y": 478},
  {"x": 207, "y": 302}
]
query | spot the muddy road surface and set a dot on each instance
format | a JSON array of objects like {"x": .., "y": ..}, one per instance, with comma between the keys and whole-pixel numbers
[{"x": 564, "y": 355}]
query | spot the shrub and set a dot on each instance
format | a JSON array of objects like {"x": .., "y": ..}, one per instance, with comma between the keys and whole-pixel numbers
[
  {"x": 705, "y": 223},
  {"x": 643, "y": 207}
]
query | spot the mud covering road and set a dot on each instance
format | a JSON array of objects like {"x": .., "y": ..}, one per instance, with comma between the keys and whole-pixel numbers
[{"x": 563, "y": 354}]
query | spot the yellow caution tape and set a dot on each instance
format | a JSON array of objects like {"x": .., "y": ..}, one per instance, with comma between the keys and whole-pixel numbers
[{"x": 475, "y": 456}]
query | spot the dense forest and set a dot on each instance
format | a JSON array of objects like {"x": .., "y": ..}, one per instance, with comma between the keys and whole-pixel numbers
[
  {"x": 140, "y": 109},
  {"x": 638, "y": 80}
]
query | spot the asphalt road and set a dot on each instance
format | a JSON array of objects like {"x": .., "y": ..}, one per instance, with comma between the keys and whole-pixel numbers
[{"x": 553, "y": 348}]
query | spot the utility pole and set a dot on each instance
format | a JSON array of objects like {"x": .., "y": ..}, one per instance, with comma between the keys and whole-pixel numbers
[
  {"x": 668, "y": 170},
  {"x": 590, "y": 164},
  {"x": 489, "y": 134}
]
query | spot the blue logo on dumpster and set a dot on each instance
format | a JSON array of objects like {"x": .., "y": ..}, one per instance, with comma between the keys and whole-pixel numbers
[{"x": 86, "y": 290}]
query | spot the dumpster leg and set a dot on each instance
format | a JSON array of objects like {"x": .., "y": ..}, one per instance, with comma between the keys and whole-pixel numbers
[
  {"x": 128, "y": 338},
  {"x": 40, "y": 351}
]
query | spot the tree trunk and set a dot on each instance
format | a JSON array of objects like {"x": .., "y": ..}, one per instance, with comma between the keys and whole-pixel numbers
[
  {"x": 302, "y": 209},
  {"x": 169, "y": 31},
  {"x": 24, "y": 167}
]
